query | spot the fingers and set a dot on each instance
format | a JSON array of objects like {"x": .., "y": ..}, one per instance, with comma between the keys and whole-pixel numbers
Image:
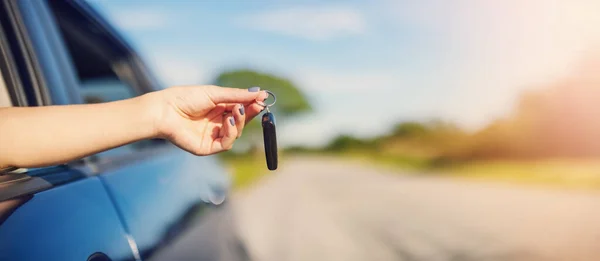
[
  {"x": 233, "y": 95},
  {"x": 252, "y": 110},
  {"x": 262, "y": 96},
  {"x": 230, "y": 132},
  {"x": 239, "y": 114}
]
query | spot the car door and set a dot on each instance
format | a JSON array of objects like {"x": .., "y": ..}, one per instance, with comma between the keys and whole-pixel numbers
[
  {"x": 171, "y": 202},
  {"x": 59, "y": 212}
]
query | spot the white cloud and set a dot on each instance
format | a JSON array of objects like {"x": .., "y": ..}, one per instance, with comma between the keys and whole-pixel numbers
[
  {"x": 179, "y": 72},
  {"x": 312, "y": 23},
  {"x": 140, "y": 19},
  {"x": 321, "y": 80}
]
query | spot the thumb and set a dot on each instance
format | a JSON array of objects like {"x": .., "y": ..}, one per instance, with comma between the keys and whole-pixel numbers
[{"x": 233, "y": 95}]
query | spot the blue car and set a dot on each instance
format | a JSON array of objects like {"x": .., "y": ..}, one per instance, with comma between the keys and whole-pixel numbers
[{"x": 144, "y": 201}]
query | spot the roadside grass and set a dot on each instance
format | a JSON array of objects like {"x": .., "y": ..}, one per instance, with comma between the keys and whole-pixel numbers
[
  {"x": 552, "y": 173},
  {"x": 245, "y": 169},
  {"x": 572, "y": 174},
  {"x": 557, "y": 173},
  {"x": 404, "y": 162}
]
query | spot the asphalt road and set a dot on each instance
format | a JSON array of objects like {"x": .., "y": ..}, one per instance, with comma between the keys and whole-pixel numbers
[{"x": 314, "y": 209}]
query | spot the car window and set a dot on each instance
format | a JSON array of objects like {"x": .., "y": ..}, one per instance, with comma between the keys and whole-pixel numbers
[
  {"x": 4, "y": 97},
  {"x": 101, "y": 68},
  {"x": 104, "y": 66}
]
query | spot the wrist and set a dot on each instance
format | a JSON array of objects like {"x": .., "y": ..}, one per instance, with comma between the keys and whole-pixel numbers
[{"x": 151, "y": 113}]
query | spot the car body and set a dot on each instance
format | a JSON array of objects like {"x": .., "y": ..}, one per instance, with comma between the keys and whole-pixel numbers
[{"x": 144, "y": 201}]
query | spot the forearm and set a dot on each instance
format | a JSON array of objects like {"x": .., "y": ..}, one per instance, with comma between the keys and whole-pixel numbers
[{"x": 41, "y": 136}]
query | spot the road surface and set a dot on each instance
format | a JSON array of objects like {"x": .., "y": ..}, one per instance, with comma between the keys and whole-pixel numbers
[{"x": 319, "y": 209}]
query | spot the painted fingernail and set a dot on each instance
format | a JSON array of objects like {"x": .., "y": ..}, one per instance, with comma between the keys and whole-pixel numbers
[
  {"x": 232, "y": 121},
  {"x": 242, "y": 110},
  {"x": 254, "y": 89}
]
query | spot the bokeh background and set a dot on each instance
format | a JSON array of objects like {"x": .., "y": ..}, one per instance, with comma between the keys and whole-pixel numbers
[{"x": 411, "y": 130}]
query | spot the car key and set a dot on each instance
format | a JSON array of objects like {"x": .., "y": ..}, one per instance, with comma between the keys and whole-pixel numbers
[{"x": 270, "y": 136}]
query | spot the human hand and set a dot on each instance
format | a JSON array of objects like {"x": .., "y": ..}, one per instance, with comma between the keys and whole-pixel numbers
[{"x": 205, "y": 120}]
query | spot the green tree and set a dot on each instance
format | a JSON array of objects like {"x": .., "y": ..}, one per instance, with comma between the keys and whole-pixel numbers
[
  {"x": 410, "y": 129},
  {"x": 290, "y": 99},
  {"x": 346, "y": 142}
]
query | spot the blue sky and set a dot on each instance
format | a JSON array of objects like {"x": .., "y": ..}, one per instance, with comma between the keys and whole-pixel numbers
[{"x": 367, "y": 65}]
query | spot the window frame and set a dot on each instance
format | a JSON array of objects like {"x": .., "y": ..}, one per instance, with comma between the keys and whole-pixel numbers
[
  {"x": 15, "y": 70},
  {"x": 88, "y": 43},
  {"x": 131, "y": 68},
  {"x": 7, "y": 83}
]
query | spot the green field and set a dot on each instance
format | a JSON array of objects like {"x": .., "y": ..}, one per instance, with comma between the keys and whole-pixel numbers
[
  {"x": 560, "y": 173},
  {"x": 245, "y": 169},
  {"x": 555, "y": 173}
]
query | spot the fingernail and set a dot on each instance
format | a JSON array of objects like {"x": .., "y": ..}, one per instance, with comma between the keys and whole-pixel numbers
[
  {"x": 242, "y": 110},
  {"x": 254, "y": 89},
  {"x": 232, "y": 121}
]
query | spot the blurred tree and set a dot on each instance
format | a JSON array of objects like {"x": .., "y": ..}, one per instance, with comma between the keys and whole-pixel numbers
[
  {"x": 410, "y": 129},
  {"x": 347, "y": 142},
  {"x": 290, "y": 100}
]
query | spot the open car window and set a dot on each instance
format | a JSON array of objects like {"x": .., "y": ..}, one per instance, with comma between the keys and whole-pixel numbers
[
  {"x": 103, "y": 66},
  {"x": 106, "y": 68}
]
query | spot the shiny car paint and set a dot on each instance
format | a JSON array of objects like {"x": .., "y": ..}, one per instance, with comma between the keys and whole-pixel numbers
[{"x": 65, "y": 223}]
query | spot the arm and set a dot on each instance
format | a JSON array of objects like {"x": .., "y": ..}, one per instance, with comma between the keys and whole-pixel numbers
[
  {"x": 39, "y": 136},
  {"x": 200, "y": 119}
]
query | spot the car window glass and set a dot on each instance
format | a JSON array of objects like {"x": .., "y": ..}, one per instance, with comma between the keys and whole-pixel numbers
[
  {"x": 99, "y": 66},
  {"x": 104, "y": 89},
  {"x": 103, "y": 65}
]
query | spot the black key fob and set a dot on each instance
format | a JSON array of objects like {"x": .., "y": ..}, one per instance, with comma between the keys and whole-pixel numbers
[{"x": 268, "y": 125}]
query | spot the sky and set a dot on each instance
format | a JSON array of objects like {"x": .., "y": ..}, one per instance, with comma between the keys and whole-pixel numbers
[{"x": 367, "y": 65}]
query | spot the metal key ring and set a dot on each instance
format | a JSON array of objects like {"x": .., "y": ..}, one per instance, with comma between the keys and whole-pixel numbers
[
  {"x": 274, "y": 99},
  {"x": 272, "y": 95}
]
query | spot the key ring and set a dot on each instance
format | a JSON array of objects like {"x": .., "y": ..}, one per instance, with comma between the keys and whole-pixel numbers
[{"x": 274, "y": 100}]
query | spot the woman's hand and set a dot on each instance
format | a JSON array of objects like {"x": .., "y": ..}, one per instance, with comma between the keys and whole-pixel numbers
[
  {"x": 200, "y": 119},
  {"x": 205, "y": 120}
]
